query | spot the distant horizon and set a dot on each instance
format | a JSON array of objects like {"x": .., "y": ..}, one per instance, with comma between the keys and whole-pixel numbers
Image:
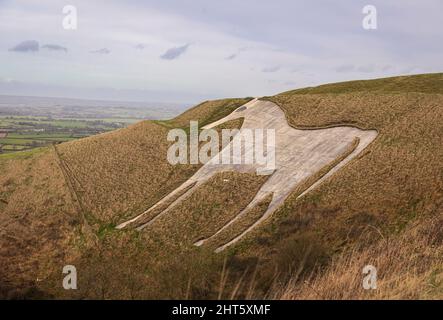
[
  {"x": 152, "y": 103},
  {"x": 171, "y": 51},
  {"x": 190, "y": 103},
  {"x": 98, "y": 99}
]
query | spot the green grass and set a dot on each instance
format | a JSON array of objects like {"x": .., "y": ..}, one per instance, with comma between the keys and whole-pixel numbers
[
  {"x": 105, "y": 229},
  {"x": 60, "y": 123},
  {"x": 22, "y": 154},
  {"x": 15, "y": 147},
  {"x": 38, "y": 135},
  {"x": 121, "y": 120},
  {"x": 17, "y": 141},
  {"x": 30, "y": 141},
  {"x": 59, "y": 139},
  {"x": 47, "y": 122}
]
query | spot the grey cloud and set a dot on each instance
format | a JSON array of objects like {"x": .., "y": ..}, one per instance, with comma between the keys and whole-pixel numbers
[
  {"x": 140, "y": 46},
  {"x": 231, "y": 57},
  {"x": 174, "y": 53},
  {"x": 101, "y": 51},
  {"x": 235, "y": 55},
  {"x": 271, "y": 69},
  {"x": 54, "y": 47},
  {"x": 345, "y": 68},
  {"x": 26, "y": 46}
]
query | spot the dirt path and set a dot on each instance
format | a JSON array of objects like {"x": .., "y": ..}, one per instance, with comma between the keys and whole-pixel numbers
[{"x": 299, "y": 154}]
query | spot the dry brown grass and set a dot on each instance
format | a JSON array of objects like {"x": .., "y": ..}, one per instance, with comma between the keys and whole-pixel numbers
[
  {"x": 395, "y": 189},
  {"x": 113, "y": 176},
  {"x": 161, "y": 261},
  {"x": 424, "y": 83},
  {"x": 240, "y": 225},
  {"x": 206, "y": 210},
  {"x": 119, "y": 174},
  {"x": 408, "y": 267},
  {"x": 397, "y": 181},
  {"x": 398, "y": 177},
  {"x": 38, "y": 221},
  {"x": 208, "y": 112},
  {"x": 149, "y": 215},
  {"x": 122, "y": 173}
]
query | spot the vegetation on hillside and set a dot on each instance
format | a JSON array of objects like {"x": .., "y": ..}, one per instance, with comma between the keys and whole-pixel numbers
[
  {"x": 383, "y": 208},
  {"x": 423, "y": 83},
  {"x": 410, "y": 266},
  {"x": 38, "y": 221},
  {"x": 396, "y": 182},
  {"x": 102, "y": 179}
]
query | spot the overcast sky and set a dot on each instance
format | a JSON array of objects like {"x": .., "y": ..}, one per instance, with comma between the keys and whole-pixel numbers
[{"x": 192, "y": 50}]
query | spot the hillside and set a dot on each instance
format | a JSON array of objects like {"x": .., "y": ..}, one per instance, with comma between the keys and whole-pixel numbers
[
  {"x": 78, "y": 191},
  {"x": 395, "y": 187},
  {"x": 60, "y": 205}
]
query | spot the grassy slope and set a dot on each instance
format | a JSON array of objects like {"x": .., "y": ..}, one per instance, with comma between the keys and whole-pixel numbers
[
  {"x": 424, "y": 83},
  {"x": 121, "y": 173},
  {"x": 160, "y": 261},
  {"x": 409, "y": 267},
  {"x": 38, "y": 220},
  {"x": 393, "y": 191},
  {"x": 208, "y": 112},
  {"x": 396, "y": 182},
  {"x": 105, "y": 179}
]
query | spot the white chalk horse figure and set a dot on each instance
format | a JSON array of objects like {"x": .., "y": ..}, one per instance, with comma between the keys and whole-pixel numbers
[{"x": 299, "y": 154}]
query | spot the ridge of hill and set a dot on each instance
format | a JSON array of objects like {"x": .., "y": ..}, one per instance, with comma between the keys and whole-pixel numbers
[
  {"x": 420, "y": 83},
  {"x": 389, "y": 197}
]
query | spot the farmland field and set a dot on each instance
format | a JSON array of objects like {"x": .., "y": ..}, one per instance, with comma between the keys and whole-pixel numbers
[
  {"x": 19, "y": 133},
  {"x": 32, "y": 122}
]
